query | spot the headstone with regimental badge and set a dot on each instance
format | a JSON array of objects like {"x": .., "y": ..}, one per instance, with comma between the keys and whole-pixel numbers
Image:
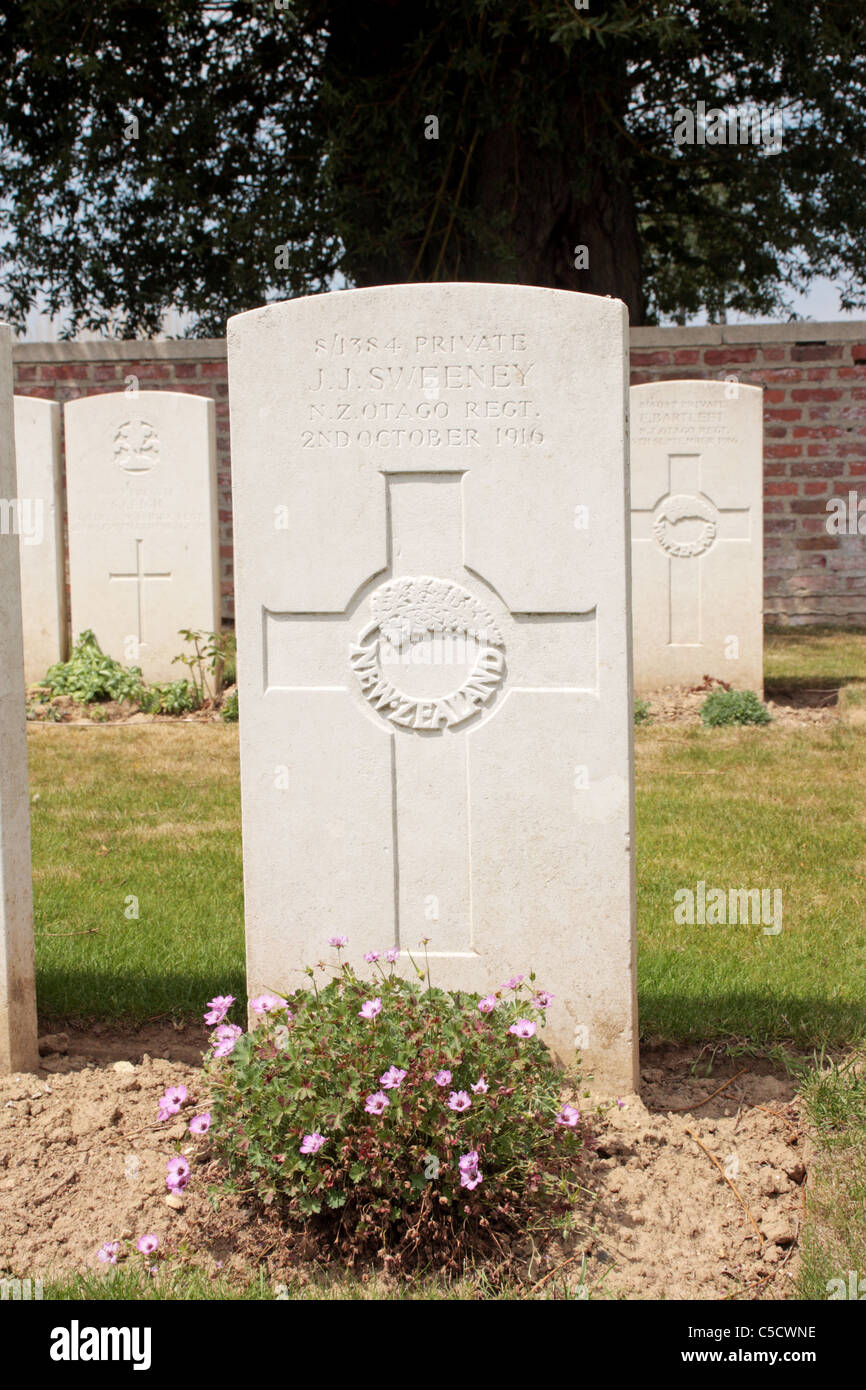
[
  {"x": 433, "y": 643},
  {"x": 143, "y": 538},
  {"x": 18, "y": 1050},
  {"x": 697, "y": 533}
]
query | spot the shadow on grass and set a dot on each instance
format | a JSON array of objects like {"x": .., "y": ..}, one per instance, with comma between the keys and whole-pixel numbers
[
  {"x": 69, "y": 994},
  {"x": 806, "y": 1021},
  {"x": 806, "y": 692}
]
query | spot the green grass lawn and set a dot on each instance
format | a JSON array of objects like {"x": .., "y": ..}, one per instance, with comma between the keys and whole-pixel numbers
[
  {"x": 834, "y": 1240},
  {"x": 152, "y": 812},
  {"x": 147, "y": 819},
  {"x": 753, "y": 808},
  {"x": 816, "y": 656}
]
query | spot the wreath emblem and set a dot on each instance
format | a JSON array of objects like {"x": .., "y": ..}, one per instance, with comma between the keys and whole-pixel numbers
[
  {"x": 408, "y": 610},
  {"x": 681, "y": 508}
]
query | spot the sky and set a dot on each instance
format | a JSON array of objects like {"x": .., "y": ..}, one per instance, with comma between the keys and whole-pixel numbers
[{"x": 820, "y": 304}]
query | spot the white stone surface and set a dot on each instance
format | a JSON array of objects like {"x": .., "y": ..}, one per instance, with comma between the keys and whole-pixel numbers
[
  {"x": 430, "y": 511},
  {"x": 697, "y": 487},
  {"x": 143, "y": 539},
  {"x": 18, "y": 1050},
  {"x": 40, "y": 502}
]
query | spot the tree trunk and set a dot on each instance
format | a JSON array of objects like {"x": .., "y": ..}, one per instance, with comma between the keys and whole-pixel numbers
[{"x": 491, "y": 199}]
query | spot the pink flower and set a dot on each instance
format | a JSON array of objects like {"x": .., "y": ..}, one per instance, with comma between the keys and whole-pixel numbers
[
  {"x": 311, "y": 1143},
  {"x": 266, "y": 1003},
  {"x": 568, "y": 1116},
  {"x": 177, "y": 1173},
  {"x": 543, "y": 999},
  {"x": 218, "y": 1008},
  {"x": 171, "y": 1102},
  {"x": 200, "y": 1124},
  {"x": 481, "y": 1087},
  {"x": 146, "y": 1244},
  {"x": 487, "y": 1004},
  {"x": 513, "y": 982},
  {"x": 107, "y": 1252},
  {"x": 470, "y": 1175},
  {"x": 338, "y": 941},
  {"x": 442, "y": 1078},
  {"x": 371, "y": 957},
  {"x": 523, "y": 1028},
  {"x": 392, "y": 956},
  {"x": 224, "y": 1038},
  {"x": 392, "y": 1078},
  {"x": 620, "y": 1103},
  {"x": 459, "y": 1101},
  {"x": 377, "y": 1104},
  {"x": 370, "y": 1009}
]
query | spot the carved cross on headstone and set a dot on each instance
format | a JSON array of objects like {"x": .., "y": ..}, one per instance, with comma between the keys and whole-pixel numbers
[
  {"x": 686, "y": 524},
  {"x": 139, "y": 576},
  {"x": 427, "y": 651}
]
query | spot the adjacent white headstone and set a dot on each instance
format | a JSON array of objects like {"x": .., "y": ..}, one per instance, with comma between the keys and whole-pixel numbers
[
  {"x": 18, "y": 1051},
  {"x": 143, "y": 542},
  {"x": 697, "y": 475},
  {"x": 433, "y": 629},
  {"x": 40, "y": 507}
]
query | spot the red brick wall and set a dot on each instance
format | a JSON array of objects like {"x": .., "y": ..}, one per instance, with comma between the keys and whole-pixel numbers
[{"x": 814, "y": 379}]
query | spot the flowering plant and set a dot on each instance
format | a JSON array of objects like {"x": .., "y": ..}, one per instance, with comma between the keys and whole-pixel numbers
[{"x": 404, "y": 1113}]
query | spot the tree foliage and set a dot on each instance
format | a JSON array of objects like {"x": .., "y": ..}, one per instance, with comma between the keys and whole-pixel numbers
[{"x": 279, "y": 151}]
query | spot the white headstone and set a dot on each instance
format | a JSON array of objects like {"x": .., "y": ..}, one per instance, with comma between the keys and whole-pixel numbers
[
  {"x": 40, "y": 503},
  {"x": 18, "y": 1051},
  {"x": 143, "y": 541},
  {"x": 433, "y": 629},
  {"x": 697, "y": 486}
]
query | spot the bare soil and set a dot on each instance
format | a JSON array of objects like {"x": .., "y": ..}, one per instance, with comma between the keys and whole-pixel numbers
[
  {"x": 670, "y": 1225},
  {"x": 82, "y": 1161},
  {"x": 789, "y": 707},
  {"x": 43, "y": 708}
]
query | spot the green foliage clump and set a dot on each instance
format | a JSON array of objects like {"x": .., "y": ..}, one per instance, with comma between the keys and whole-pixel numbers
[
  {"x": 642, "y": 714},
  {"x": 230, "y": 708},
  {"x": 173, "y": 697},
  {"x": 213, "y": 659},
  {"x": 396, "y": 1116},
  {"x": 733, "y": 707},
  {"x": 90, "y": 675},
  {"x": 228, "y": 657}
]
